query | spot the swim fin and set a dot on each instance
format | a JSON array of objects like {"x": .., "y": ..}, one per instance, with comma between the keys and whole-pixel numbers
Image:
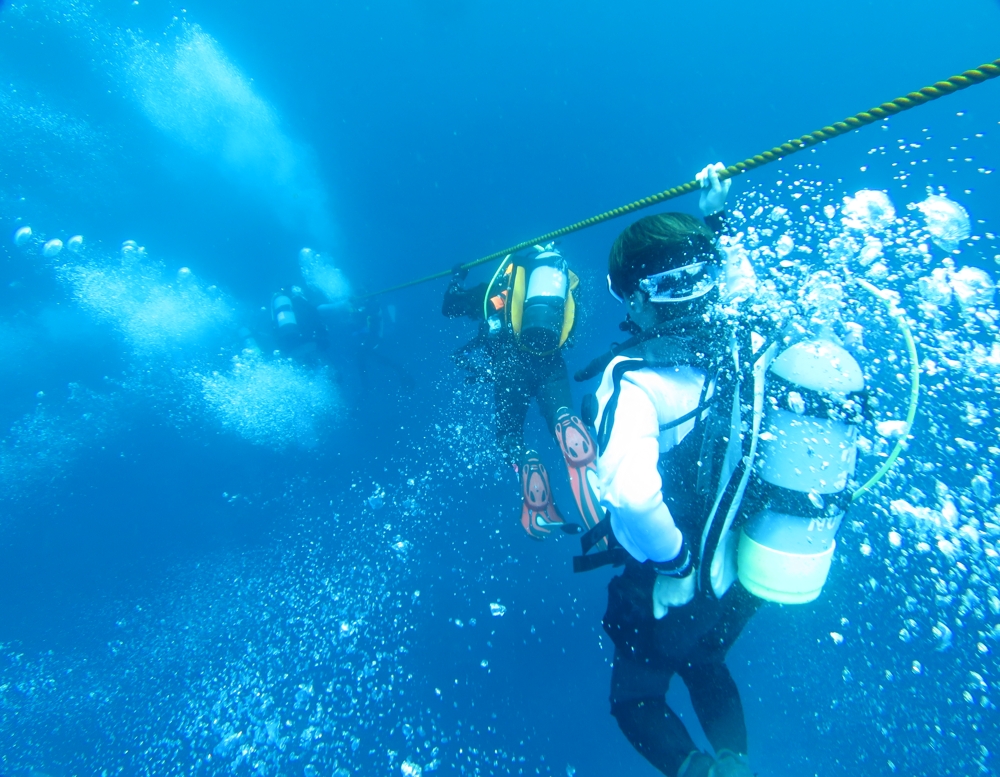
[
  {"x": 539, "y": 513},
  {"x": 580, "y": 452}
]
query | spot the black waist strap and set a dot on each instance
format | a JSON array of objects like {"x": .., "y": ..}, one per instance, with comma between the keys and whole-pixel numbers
[
  {"x": 615, "y": 555},
  {"x": 594, "y": 535}
]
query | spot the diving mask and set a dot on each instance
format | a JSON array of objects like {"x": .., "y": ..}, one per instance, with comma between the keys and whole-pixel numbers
[{"x": 678, "y": 285}]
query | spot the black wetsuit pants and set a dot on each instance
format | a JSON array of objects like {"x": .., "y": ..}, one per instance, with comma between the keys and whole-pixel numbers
[
  {"x": 640, "y": 679},
  {"x": 520, "y": 377}
]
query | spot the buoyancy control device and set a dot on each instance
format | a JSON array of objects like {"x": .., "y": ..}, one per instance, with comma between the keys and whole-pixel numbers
[
  {"x": 806, "y": 454},
  {"x": 706, "y": 475},
  {"x": 533, "y": 297},
  {"x": 800, "y": 426}
]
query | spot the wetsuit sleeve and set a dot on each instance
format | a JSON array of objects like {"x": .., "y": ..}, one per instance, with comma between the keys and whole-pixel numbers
[
  {"x": 630, "y": 482},
  {"x": 460, "y": 301},
  {"x": 718, "y": 223}
]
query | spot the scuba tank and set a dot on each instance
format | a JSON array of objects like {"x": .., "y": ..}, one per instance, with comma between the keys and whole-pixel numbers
[
  {"x": 807, "y": 453},
  {"x": 283, "y": 314},
  {"x": 544, "y": 301},
  {"x": 532, "y": 298}
]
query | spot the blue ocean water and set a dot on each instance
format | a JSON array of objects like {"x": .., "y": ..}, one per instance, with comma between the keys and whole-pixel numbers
[{"x": 215, "y": 561}]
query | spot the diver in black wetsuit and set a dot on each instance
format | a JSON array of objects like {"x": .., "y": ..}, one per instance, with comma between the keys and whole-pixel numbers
[
  {"x": 298, "y": 325},
  {"x": 526, "y": 314},
  {"x": 367, "y": 326},
  {"x": 312, "y": 332}
]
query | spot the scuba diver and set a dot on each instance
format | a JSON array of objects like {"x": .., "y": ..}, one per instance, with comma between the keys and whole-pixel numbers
[
  {"x": 721, "y": 492},
  {"x": 526, "y": 314},
  {"x": 298, "y": 326},
  {"x": 367, "y": 325},
  {"x": 302, "y": 330}
]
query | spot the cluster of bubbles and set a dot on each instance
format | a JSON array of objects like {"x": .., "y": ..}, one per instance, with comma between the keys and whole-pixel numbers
[
  {"x": 188, "y": 89},
  {"x": 51, "y": 248},
  {"x": 276, "y": 403},
  {"x": 175, "y": 329},
  {"x": 319, "y": 272},
  {"x": 41, "y": 143},
  {"x": 288, "y": 658},
  {"x": 292, "y": 659},
  {"x": 174, "y": 326},
  {"x": 924, "y": 547},
  {"x": 39, "y": 448},
  {"x": 154, "y": 316},
  {"x": 191, "y": 91}
]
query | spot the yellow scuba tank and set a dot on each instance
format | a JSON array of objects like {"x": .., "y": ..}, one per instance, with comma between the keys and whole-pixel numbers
[
  {"x": 807, "y": 453},
  {"x": 533, "y": 298}
]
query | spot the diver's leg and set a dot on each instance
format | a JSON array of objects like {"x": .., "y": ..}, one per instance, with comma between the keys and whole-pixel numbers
[
  {"x": 716, "y": 702},
  {"x": 510, "y": 400},
  {"x": 551, "y": 387},
  {"x": 512, "y": 393},
  {"x": 578, "y": 448},
  {"x": 714, "y": 694},
  {"x": 638, "y": 703}
]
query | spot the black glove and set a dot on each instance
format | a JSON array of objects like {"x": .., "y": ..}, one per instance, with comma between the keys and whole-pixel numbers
[{"x": 459, "y": 273}]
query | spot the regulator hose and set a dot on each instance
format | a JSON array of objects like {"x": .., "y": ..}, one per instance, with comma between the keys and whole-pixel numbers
[{"x": 899, "y": 316}]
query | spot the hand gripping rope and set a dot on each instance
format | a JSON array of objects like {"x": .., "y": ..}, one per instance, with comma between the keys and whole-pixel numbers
[{"x": 885, "y": 110}]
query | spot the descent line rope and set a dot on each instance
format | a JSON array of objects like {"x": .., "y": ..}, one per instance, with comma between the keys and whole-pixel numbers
[{"x": 929, "y": 93}]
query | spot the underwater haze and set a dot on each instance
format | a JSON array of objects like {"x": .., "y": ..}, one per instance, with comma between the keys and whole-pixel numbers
[{"x": 218, "y": 560}]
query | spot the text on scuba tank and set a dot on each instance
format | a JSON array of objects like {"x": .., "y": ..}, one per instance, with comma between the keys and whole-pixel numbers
[{"x": 824, "y": 524}]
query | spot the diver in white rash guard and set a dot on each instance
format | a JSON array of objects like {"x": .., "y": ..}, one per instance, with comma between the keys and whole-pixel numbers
[
  {"x": 709, "y": 516},
  {"x": 665, "y": 410}
]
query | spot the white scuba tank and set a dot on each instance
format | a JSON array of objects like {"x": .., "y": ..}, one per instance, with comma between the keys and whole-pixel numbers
[
  {"x": 807, "y": 453},
  {"x": 544, "y": 301},
  {"x": 283, "y": 314}
]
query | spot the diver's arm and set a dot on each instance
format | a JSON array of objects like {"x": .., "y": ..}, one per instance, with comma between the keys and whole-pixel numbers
[
  {"x": 630, "y": 481},
  {"x": 740, "y": 280},
  {"x": 460, "y": 301}
]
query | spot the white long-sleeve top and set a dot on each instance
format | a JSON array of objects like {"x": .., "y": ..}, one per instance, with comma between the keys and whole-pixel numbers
[{"x": 629, "y": 481}]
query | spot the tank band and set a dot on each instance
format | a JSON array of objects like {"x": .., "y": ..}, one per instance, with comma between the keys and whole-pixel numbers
[
  {"x": 785, "y": 500},
  {"x": 852, "y": 409}
]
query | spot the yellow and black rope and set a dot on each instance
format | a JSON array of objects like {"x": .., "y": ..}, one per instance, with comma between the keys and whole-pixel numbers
[{"x": 885, "y": 110}]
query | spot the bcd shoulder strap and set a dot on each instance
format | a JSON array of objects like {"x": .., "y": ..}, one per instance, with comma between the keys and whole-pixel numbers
[
  {"x": 750, "y": 368},
  {"x": 608, "y": 416}
]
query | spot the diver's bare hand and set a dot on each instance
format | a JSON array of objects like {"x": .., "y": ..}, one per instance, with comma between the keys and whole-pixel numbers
[{"x": 713, "y": 191}]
